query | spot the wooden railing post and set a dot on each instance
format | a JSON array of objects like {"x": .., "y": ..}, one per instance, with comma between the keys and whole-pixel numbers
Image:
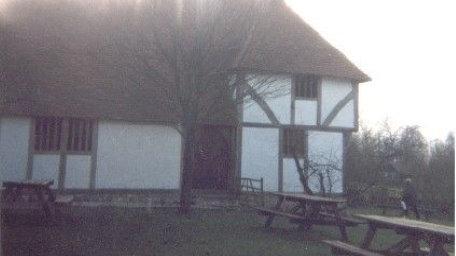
[{"x": 262, "y": 191}]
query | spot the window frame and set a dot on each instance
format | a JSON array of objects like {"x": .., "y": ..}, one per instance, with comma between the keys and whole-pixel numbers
[
  {"x": 64, "y": 136},
  {"x": 301, "y": 90},
  {"x": 290, "y": 134},
  {"x": 39, "y": 125}
]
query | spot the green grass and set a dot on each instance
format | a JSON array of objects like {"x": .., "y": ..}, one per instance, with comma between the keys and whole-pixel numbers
[{"x": 114, "y": 231}]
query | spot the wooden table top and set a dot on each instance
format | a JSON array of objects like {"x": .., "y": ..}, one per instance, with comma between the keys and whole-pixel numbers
[
  {"x": 417, "y": 225},
  {"x": 311, "y": 198},
  {"x": 29, "y": 183}
]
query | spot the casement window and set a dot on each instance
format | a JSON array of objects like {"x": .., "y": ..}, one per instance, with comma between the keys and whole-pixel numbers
[
  {"x": 79, "y": 135},
  {"x": 307, "y": 86},
  {"x": 48, "y": 134},
  {"x": 294, "y": 142},
  {"x": 53, "y": 134}
]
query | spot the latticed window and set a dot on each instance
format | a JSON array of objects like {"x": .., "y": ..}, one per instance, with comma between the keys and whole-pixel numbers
[
  {"x": 48, "y": 134},
  {"x": 307, "y": 86},
  {"x": 294, "y": 142},
  {"x": 53, "y": 134},
  {"x": 79, "y": 135}
]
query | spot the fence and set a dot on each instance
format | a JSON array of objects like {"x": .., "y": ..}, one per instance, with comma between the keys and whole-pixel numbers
[{"x": 252, "y": 191}]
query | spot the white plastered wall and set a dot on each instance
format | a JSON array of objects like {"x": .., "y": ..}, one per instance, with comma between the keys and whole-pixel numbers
[
  {"x": 14, "y": 140},
  {"x": 260, "y": 152},
  {"x": 334, "y": 90},
  {"x": 77, "y": 173},
  {"x": 138, "y": 156},
  {"x": 306, "y": 112},
  {"x": 291, "y": 181},
  {"x": 46, "y": 167},
  {"x": 326, "y": 148},
  {"x": 279, "y": 102},
  {"x": 323, "y": 148}
]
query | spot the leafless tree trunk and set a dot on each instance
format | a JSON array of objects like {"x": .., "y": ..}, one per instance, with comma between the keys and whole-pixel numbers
[{"x": 321, "y": 170}]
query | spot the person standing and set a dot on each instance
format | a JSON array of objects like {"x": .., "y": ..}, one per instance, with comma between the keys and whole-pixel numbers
[{"x": 409, "y": 198}]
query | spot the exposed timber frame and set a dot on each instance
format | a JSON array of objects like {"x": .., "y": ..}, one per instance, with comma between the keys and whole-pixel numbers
[
  {"x": 94, "y": 156},
  {"x": 338, "y": 107},
  {"x": 293, "y": 100},
  {"x": 356, "y": 106},
  {"x": 319, "y": 101},
  {"x": 280, "y": 159},
  {"x": 309, "y": 127},
  {"x": 262, "y": 104},
  {"x": 63, "y": 154},
  {"x": 31, "y": 146}
]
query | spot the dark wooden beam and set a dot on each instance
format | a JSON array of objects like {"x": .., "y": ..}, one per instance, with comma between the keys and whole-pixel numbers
[
  {"x": 356, "y": 106},
  {"x": 94, "y": 155},
  {"x": 261, "y": 103},
  {"x": 319, "y": 102},
  {"x": 293, "y": 100},
  {"x": 280, "y": 159},
  {"x": 31, "y": 147},
  {"x": 309, "y": 127},
  {"x": 338, "y": 107},
  {"x": 63, "y": 154}
]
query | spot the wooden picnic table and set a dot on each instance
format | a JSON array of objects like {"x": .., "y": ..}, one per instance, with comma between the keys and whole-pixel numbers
[
  {"x": 414, "y": 231},
  {"x": 14, "y": 191},
  {"x": 309, "y": 210}
]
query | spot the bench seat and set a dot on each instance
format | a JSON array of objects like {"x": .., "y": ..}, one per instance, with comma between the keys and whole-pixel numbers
[
  {"x": 330, "y": 220},
  {"x": 348, "y": 221},
  {"x": 341, "y": 248},
  {"x": 64, "y": 200},
  {"x": 265, "y": 211}
]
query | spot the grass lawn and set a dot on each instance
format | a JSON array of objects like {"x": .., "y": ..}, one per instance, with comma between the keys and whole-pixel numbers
[{"x": 116, "y": 231}]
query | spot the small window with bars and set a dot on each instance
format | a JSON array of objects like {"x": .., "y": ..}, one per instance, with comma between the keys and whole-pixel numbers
[
  {"x": 307, "y": 86},
  {"x": 48, "y": 134},
  {"x": 79, "y": 135},
  {"x": 294, "y": 142}
]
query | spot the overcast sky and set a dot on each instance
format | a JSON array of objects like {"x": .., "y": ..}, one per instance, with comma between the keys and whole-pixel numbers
[{"x": 407, "y": 47}]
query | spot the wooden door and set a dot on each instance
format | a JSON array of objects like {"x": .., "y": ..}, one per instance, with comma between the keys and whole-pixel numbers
[{"x": 214, "y": 165}]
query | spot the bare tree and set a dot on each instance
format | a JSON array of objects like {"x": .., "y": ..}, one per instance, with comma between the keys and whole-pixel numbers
[
  {"x": 325, "y": 169},
  {"x": 184, "y": 55},
  {"x": 188, "y": 52}
]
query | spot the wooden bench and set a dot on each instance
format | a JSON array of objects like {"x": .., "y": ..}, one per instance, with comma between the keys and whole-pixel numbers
[
  {"x": 267, "y": 212},
  {"x": 64, "y": 200},
  {"x": 347, "y": 221},
  {"x": 341, "y": 248}
]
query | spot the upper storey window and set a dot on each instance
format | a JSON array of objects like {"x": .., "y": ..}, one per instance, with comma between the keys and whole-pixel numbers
[{"x": 307, "y": 86}]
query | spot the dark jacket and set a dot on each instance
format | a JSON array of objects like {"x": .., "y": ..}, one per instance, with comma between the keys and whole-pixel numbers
[{"x": 409, "y": 194}]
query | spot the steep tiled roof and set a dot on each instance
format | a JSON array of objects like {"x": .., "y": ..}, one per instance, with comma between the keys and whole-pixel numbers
[{"x": 59, "y": 60}]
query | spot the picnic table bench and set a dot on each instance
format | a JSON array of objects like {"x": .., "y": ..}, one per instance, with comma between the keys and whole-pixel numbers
[
  {"x": 19, "y": 195},
  {"x": 309, "y": 210},
  {"x": 414, "y": 231}
]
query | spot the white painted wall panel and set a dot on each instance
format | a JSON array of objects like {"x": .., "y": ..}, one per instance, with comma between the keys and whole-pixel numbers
[
  {"x": 14, "y": 138},
  {"x": 291, "y": 181},
  {"x": 327, "y": 148},
  {"x": 279, "y": 102},
  {"x": 334, "y": 90},
  {"x": 138, "y": 156},
  {"x": 260, "y": 151},
  {"x": 45, "y": 167},
  {"x": 306, "y": 112},
  {"x": 77, "y": 174},
  {"x": 254, "y": 114},
  {"x": 345, "y": 118}
]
